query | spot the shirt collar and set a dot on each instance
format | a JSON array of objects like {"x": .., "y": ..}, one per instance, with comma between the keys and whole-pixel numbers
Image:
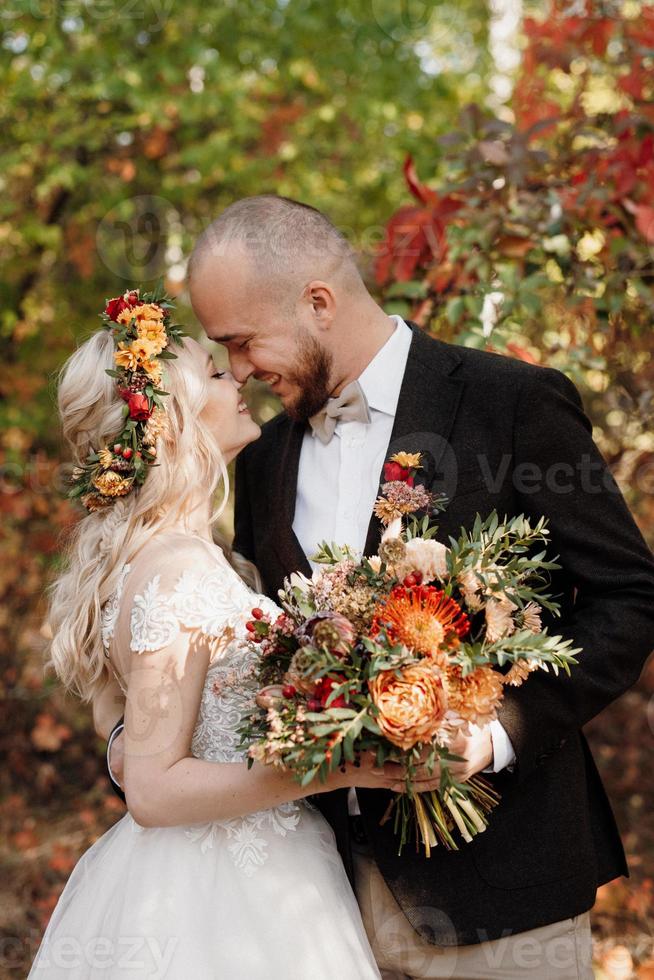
[{"x": 382, "y": 379}]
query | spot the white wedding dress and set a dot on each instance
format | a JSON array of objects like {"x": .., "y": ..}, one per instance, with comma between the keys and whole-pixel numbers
[{"x": 263, "y": 897}]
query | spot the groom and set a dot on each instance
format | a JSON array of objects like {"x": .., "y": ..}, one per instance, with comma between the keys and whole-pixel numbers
[{"x": 277, "y": 284}]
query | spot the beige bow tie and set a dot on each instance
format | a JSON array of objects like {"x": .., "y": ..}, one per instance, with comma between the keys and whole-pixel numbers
[{"x": 350, "y": 406}]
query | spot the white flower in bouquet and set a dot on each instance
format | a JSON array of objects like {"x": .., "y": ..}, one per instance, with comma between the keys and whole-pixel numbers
[
  {"x": 531, "y": 617},
  {"x": 297, "y": 580},
  {"x": 499, "y": 618},
  {"x": 394, "y": 530},
  {"x": 470, "y": 585},
  {"x": 428, "y": 557}
]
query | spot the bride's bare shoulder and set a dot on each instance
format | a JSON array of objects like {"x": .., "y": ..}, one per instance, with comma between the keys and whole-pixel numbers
[{"x": 170, "y": 553}]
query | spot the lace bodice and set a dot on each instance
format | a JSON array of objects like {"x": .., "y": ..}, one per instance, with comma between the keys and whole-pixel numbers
[
  {"x": 207, "y": 596},
  {"x": 212, "y": 599}
]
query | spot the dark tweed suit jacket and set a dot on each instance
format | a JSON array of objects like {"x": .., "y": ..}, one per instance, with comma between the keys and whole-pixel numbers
[{"x": 498, "y": 433}]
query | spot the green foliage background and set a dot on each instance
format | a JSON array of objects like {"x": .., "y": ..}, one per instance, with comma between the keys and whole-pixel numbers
[{"x": 125, "y": 127}]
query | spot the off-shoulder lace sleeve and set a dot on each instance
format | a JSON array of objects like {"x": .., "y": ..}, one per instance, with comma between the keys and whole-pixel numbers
[
  {"x": 153, "y": 623},
  {"x": 178, "y": 584},
  {"x": 208, "y": 598}
]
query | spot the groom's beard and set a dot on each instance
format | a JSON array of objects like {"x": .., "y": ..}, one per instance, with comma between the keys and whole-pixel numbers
[{"x": 312, "y": 373}]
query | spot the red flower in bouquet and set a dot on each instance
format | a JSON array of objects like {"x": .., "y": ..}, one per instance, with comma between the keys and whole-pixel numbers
[
  {"x": 324, "y": 688},
  {"x": 421, "y": 617}
]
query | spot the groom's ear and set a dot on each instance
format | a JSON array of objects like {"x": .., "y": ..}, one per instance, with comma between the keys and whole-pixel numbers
[{"x": 320, "y": 296}]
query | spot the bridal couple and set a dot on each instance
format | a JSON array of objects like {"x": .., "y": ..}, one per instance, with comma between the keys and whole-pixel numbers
[{"x": 218, "y": 872}]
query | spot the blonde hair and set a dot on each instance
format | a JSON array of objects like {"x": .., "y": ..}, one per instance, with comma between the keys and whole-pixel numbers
[{"x": 191, "y": 463}]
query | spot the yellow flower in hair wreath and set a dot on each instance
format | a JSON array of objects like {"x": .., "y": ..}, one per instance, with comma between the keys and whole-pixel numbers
[
  {"x": 112, "y": 484},
  {"x": 145, "y": 311},
  {"x": 105, "y": 458},
  {"x": 137, "y": 354},
  {"x": 154, "y": 332},
  {"x": 153, "y": 371},
  {"x": 149, "y": 324},
  {"x": 124, "y": 357},
  {"x": 144, "y": 350}
]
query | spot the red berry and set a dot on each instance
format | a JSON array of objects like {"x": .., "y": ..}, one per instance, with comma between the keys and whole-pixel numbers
[
  {"x": 288, "y": 691},
  {"x": 127, "y": 453},
  {"x": 418, "y": 577},
  {"x": 257, "y": 613},
  {"x": 118, "y": 448},
  {"x": 314, "y": 705},
  {"x": 250, "y": 626},
  {"x": 409, "y": 581}
]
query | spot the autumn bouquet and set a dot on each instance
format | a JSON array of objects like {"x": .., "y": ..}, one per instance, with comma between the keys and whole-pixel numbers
[{"x": 394, "y": 654}]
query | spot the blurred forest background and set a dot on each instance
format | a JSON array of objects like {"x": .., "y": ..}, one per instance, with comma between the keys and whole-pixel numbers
[{"x": 492, "y": 161}]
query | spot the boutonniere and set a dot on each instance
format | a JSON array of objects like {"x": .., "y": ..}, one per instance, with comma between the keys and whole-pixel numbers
[{"x": 403, "y": 492}]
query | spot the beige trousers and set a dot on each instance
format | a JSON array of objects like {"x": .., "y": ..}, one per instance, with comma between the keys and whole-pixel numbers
[{"x": 559, "y": 951}]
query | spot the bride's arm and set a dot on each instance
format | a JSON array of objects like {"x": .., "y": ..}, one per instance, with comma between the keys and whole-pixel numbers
[{"x": 164, "y": 784}]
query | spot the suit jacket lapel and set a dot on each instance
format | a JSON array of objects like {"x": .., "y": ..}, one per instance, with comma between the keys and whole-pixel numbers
[
  {"x": 285, "y": 540},
  {"x": 428, "y": 403}
]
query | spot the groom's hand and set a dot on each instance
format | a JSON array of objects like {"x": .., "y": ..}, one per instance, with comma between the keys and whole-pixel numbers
[{"x": 476, "y": 749}]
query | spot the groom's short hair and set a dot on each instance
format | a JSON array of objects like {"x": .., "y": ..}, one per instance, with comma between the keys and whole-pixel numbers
[{"x": 281, "y": 236}]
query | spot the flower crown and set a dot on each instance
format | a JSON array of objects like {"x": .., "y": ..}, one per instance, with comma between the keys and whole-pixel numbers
[{"x": 142, "y": 332}]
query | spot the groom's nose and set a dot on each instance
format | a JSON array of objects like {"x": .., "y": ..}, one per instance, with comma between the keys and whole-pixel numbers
[{"x": 240, "y": 367}]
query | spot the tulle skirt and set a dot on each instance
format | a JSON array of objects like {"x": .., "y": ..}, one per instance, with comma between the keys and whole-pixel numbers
[{"x": 258, "y": 899}]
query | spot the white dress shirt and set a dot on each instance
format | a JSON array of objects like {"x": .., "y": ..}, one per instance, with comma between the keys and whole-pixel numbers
[{"x": 338, "y": 481}]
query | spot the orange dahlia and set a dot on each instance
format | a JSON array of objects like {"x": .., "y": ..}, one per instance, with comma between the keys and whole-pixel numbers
[
  {"x": 412, "y": 702},
  {"x": 476, "y": 696},
  {"x": 421, "y": 617}
]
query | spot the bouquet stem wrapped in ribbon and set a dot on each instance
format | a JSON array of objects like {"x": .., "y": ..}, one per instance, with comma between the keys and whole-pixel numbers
[{"x": 397, "y": 653}]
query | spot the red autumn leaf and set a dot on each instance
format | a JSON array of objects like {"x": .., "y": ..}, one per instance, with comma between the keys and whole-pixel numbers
[
  {"x": 599, "y": 32},
  {"x": 404, "y": 246},
  {"x": 632, "y": 83},
  {"x": 514, "y": 247},
  {"x": 644, "y": 215},
  {"x": 415, "y": 239},
  {"x": 521, "y": 353},
  {"x": 642, "y": 31},
  {"x": 419, "y": 190},
  {"x": 441, "y": 276}
]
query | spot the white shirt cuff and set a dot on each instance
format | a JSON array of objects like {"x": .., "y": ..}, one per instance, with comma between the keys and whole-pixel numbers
[
  {"x": 503, "y": 754},
  {"x": 117, "y": 730}
]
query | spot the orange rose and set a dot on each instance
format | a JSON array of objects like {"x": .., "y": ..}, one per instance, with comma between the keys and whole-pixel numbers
[{"x": 411, "y": 701}]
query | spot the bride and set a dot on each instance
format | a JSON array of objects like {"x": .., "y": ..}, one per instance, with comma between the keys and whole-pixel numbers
[{"x": 217, "y": 871}]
